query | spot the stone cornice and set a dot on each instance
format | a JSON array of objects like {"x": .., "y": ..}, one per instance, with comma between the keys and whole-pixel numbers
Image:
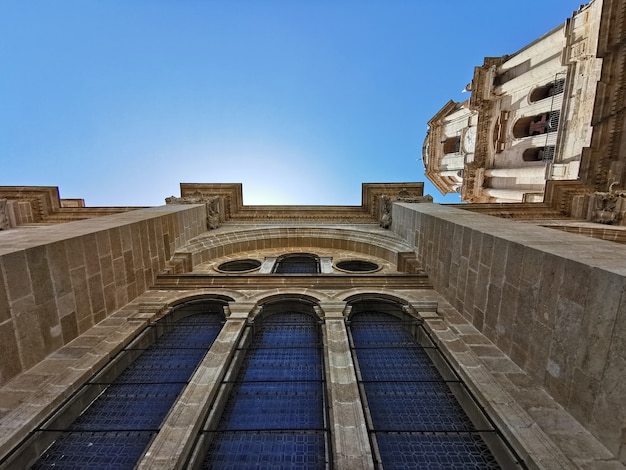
[
  {"x": 43, "y": 205},
  {"x": 235, "y": 211},
  {"x": 275, "y": 281},
  {"x": 448, "y": 108}
]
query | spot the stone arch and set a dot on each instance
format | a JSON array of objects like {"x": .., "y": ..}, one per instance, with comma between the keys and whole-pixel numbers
[
  {"x": 178, "y": 298},
  {"x": 543, "y": 123},
  {"x": 307, "y": 295},
  {"x": 298, "y": 303},
  {"x": 390, "y": 303},
  {"x": 215, "y": 245},
  {"x": 521, "y": 127},
  {"x": 299, "y": 298},
  {"x": 372, "y": 295},
  {"x": 538, "y": 154},
  {"x": 403, "y": 297},
  {"x": 546, "y": 91}
]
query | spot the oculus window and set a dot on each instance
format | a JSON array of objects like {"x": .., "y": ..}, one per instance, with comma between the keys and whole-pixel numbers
[
  {"x": 239, "y": 266},
  {"x": 357, "y": 266}
]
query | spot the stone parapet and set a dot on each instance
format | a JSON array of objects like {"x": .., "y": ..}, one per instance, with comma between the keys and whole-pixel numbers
[
  {"x": 58, "y": 281},
  {"x": 29, "y": 205},
  {"x": 551, "y": 301}
]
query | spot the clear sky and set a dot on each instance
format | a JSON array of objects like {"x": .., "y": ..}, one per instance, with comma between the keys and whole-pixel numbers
[{"x": 118, "y": 101}]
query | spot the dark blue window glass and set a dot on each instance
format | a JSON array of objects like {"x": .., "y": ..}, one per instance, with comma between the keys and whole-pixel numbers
[
  {"x": 297, "y": 264},
  {"x": 115, "y": 429},
  {"x": 274, "y": 416},
  {"x": 415, "y": 418}
]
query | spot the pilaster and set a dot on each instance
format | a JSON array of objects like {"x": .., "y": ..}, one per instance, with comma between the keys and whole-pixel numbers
[
  {"x": 350, "y": 439},
  {"x": 171, "y": 447}
]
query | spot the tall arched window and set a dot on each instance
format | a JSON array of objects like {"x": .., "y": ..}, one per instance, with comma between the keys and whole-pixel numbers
[
  {"x": 538, "y": 154},
  {"x": 536, "y": 125},
  {"x": 297, "y": 263},
  {"x": 275, "y": 413},
  {"x": 412, "y": 398},
  {"x": 126, "y": 409},
  {"x": 546, "y": 91}
]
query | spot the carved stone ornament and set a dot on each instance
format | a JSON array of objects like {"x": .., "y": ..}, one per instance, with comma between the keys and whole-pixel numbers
[
  {"x": 607, "y": 207},
  {"x": 427, "y": 198},
  {"x": 4, "y": 217},
  {"x": 385, "y": 211},
  {"x": 386, "y": 204},
  {"x": 212, "y": 204}
]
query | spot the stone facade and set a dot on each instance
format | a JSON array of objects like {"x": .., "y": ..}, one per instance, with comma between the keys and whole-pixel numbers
[
  {"x": 527, "y": 120},
  {"x": 530, "y": 318},
  {"x": 61, "y": 280},
  {"x": 552, "y": 304}
]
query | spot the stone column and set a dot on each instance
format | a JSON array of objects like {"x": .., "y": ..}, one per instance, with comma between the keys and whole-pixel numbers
[
  {"x": 173, "y": 444},
  {"x": 351, "y": 445}
]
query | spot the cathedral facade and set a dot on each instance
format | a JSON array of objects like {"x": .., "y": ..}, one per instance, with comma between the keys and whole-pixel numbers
[{"x": 400, "y": 333}]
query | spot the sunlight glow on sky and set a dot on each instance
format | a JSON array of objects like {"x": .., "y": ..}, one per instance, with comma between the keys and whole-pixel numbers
[{"x": 119, "y": 101}]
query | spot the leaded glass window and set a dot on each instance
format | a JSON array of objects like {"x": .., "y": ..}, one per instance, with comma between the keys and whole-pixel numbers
[
  {"x": 127, "y": 409},
  {"x": 300, "y": 263},
  {"x": 275, "y": 413},
  {"x": 412, "y": 401}
]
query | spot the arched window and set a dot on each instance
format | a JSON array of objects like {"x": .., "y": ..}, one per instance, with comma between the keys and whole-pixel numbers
[
  {"x": 126, "y": 409},
  {"x": 538, "y": 154},
  {"x": 275, "y": 413},
  {"x": 536, "y": 125},
  {"x": 297, "y": 263},
  {"x": 412, "y": 397},
  {"x": 546, "y": 91}
]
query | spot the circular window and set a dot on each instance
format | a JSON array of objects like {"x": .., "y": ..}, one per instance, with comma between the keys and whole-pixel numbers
[
  {"x": 357, "y": 266},
  {"x": 239, "y": 266}
]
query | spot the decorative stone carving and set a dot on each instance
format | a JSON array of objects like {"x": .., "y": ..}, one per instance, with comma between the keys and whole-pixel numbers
[
  {"x": 608, "y": 207},
  {"x": 420, "y": 199},
  {"x": 385, "y": 211},
  {"x": 386, "y": 204},
  {"x": 212, "y": 203},
  {"x": 4, "y": 217}
]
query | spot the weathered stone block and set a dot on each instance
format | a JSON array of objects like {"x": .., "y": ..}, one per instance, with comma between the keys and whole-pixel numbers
[{"x": 18, "y": 283}]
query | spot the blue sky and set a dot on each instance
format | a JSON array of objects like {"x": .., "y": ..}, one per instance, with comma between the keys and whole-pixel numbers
[{"x": 118, "y": 101}]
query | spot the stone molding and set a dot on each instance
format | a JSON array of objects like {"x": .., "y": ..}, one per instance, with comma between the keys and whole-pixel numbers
[
  {"x": 26, "y": 205},
  {"x": 4, "y": 218},
  {"x": 214, "y": 206},
  {"x": 231, "y": 207},
  {"x": 386, "y": 205}
]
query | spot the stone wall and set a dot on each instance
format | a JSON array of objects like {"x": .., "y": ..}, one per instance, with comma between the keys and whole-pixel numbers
[
  {"x": 56, "y": 282},
  {"x": 551, "y": 301}
]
